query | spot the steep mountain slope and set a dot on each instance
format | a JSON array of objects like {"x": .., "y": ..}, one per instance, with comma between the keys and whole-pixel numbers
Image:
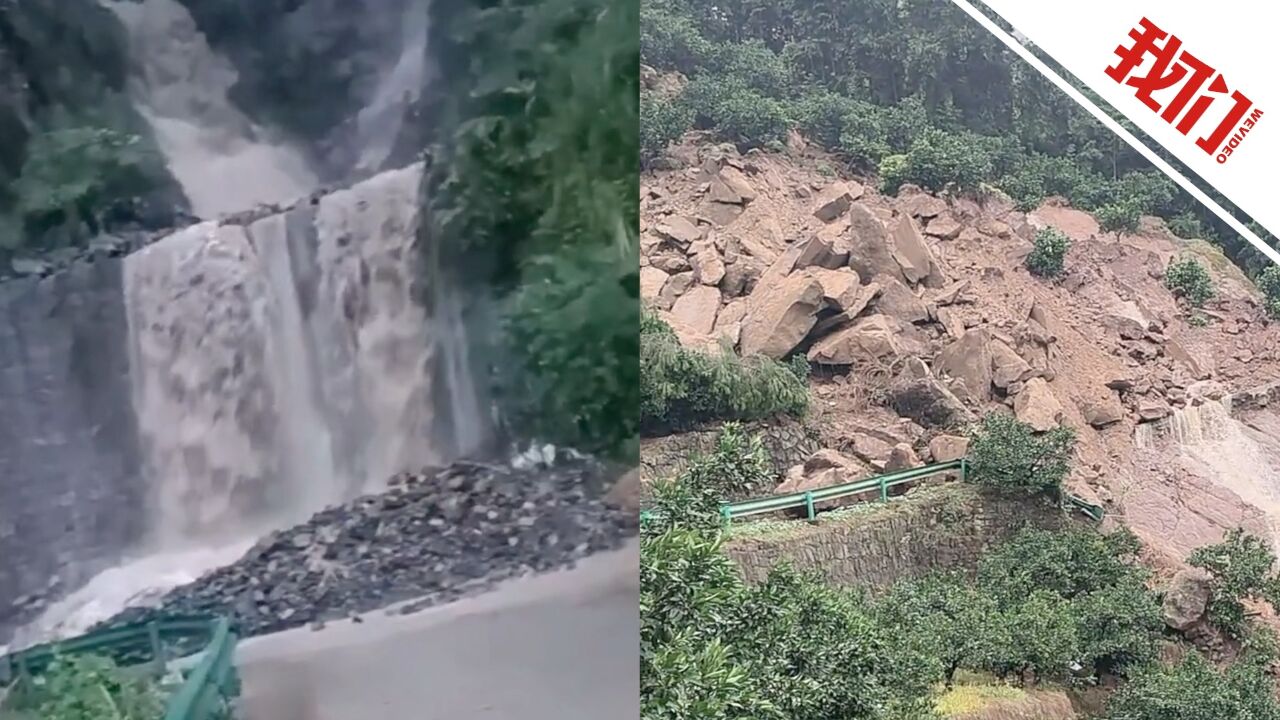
[{"x": 917, "y": 314}]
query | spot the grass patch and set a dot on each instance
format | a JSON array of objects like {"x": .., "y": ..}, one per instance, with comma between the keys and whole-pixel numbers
[
  {"x": 786, "y": 529},
  {"x": 970, "y": 697}
]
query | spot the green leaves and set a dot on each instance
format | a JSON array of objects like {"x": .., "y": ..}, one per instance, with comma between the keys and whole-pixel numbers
[
  {"x": 680, "y": 388},
  {"x": 88, "y": 687},
  {"x": 1194, "y": 690},
  {"x": 1241, "y": 566},
  {"x": 1006, "y": 454},
  {"x": 1049, "y": 252},
  {"x": 1188, "y": 278}
]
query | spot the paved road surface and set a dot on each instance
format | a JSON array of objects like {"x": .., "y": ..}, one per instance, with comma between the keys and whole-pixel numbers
[{"x": 560, "y": 646}]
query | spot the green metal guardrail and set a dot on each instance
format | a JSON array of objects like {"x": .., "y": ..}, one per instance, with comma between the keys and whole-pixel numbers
[
  {"x": 882, "y": 483},
  {"x": 208, "y": 687}
]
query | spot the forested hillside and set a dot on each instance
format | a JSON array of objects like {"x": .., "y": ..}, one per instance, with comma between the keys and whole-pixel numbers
[{"x": 914, "y": 90}]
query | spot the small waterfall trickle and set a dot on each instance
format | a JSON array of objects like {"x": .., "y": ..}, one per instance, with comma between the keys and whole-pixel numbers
[{"x": 1214, "y": 445}]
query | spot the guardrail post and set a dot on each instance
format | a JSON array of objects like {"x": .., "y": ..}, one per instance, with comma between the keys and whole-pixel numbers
[
  {"x": 884, "y": 490},
  {"x": 726, "y": 515},
  {"x": 964, "y": 469},
  {"x": 808, "y": 504}
]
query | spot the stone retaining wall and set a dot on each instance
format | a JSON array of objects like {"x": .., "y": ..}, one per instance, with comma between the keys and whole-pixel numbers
[{"x": 931, "y": 528}]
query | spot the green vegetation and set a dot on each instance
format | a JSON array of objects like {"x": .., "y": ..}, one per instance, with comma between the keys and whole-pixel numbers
[
  {"x": 680, "y": 388},
  {"x": 1242, "y": 569},
  {"x": 1269, "y": 285},
  {"x": 537, "y": 196},
  {"x": 85, "y": 687},
  {"x": 1193, "y": 688},
  {"x": 914, "y": 89},
  {"x": 1007, "y": 455},
  {"x": 1049, "y": 252},
  {"x": 737, "y": 467},
  {"x": 1188, "y": 278}
]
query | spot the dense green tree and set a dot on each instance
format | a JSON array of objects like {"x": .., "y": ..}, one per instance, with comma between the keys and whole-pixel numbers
[
  {"x": 1194, "y": 690},
  {"x": 1007, "y": 455},
  {"x": 1049, "y": 252},
  {"x": 1189, "y": 279},
  {"x": 1241, "y": 566}
]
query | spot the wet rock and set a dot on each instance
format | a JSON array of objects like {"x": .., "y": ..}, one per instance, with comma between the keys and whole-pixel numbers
[
  {"x": 1187, "y": 599},
  {"x": 1150, "y": 409}
]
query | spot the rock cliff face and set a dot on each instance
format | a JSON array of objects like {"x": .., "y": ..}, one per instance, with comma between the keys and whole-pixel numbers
[
  {"x": 229, "y": 376},
  {"x": 70, "y": 486},
  {"x": 917, "y": 314}
]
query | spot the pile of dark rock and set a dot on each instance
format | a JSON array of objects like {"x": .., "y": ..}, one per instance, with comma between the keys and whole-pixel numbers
[{"x": 431, "y": 537}]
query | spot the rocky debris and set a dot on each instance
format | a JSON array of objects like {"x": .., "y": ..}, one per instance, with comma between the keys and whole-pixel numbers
[
  {"x": 869, "y": 253},
  {"x": 675, "y": 286},
  {"x": 948, "y": 447},
  {"x": 969, "y": 359},
  {"x": 436, "y": 535},
  {"x": 1187, "y": 599},
  {"x": 731, "y": 187},
  {"x": 708, "y": 266},
  {"x": 651, "y": 281},
  {"x": 679, "y": 230},
  {"x": 928, "y": 402},
  {"x": 626, "y": 493},
  {"x": 823, "y": 469},
  {"x": 943, "y": 227},
  {"x": 834, "y": 200},
  {"x": 698, "y": 308},
  {"x": 779, "y": 316},
  {"x": 919, "y": 204},
  {"x": 870, "y": 338},
  {"x": 821, "y": 252},
  {"x": 897, "y": 301},
  {"x": 913, "y": 255},
  {"x": 951, "y": 294},
  {"x": 1102, "y": 414},
  {"x": 1150, "y": 409},
  {"x": 1129, "y": 320},
  {"x": 1007, "y": 366},
  {"x": 1037, "y": 406},
  {"x": 1202, "y": 391},
  {"x": 840, "y": 289},
  {"x": 902, "y": 457}
]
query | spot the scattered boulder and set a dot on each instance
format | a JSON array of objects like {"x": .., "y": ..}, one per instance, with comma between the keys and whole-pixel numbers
[
  {"x": 708, "y": 266},
  {"x": 872, "y": 450},
  {"x": 651, "y": 281},
  {"x": 921, "y": 205},
  {"x": 869, "y": 251},
  {"x": 840, "y": 288},
  {"x": 948, "y": 447},
  {"x": 779, "y": 316},
  {"x": 1202, "y": 391},
  {"x": 913, "y": 255},
  {"x": 1102, "y": 414},
  {"x": 834, "y": 200},
  {"x": 1187, "y": 599},
  {"x": 1037, "y": 406},
  {"x": 675, "y": 286},
  {"x": 969, "y": 359},
  {"x": 950, "y": 295},
  {"x": 731, "y": 187},
  {"x": 821, "y": 252},
  {"x": 943, "y": 227},
  {"x": 872, "y": 337},
  {"x": 679, "y": 230},
  {"x": 698, "y": 308},
  {"x": 927, "y": 402},
  {"x": 1007, "y": 366},
  {"x": 897, "y": 301},
  {"x": 1150, "y": 409},
  {"x": 902, "y": 457}
]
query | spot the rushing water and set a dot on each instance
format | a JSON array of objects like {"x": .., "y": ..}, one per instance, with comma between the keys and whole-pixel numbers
[{"x": 277, "y": 365}]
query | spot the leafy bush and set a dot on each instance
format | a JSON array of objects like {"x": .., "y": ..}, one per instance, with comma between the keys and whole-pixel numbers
[
  {"x": 76, "y": 174},
  {"x": 1007, "y": 455},
  {"x": 561, "y": 247},
  {"x": 1049, "y": 253},
  {"x": 1269, "y": 284},
  {"x": 1190, "y": 279},
  {"x": 864, "y": 138},
  {"x": 662, "y": 121},
  {"x": 1241, "y": 566},
  {"x": 1193, "y": 688},
  {"x": 736, "y": 111},
  {"x": 893, "y": 172},
  {"x": 737, "y": 467},
  {"x": 1118, "y": 217},
  {"x": 88, "y": 687},
  {"x": 820, "y": 116},
  {"x": 945, "y": 617},
  {"x": 938, "y": 159},
  {"x": 671, "y": 41},
  {"x": 756, "y": 65},
  {"x": 1186, "y": 225},
  {"x": 680, "y": 388}
]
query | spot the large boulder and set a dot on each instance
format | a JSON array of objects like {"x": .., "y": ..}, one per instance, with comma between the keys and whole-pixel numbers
[
  {"x": 1187, "y": 599},
  {"x": 731, "y": 187},
  {"x": 897, "y": 301},
  {"x": 870, "y": 338},
  {"x": 651, "y": 281},
  {"x": 1007, "y": 366},
  {"x": 780, "y": 315},
  {"x": 969, "y": 359},
  {"x": 823, "y": 469},
  {"x": 1037, "y": 406},
  {"x": 1104, "y": 413},
  {"x": 913, "y": 255},
  {"x": 698, "y": 308},
  {"x": 835, "y": 200},
  {"x": 948, "y": 447},
  {"x": 840, "y": 288},
  {"x": 679, "y": 230},
  {"x": 870, "y": 253},
  {"x": 928, "y": 402},
  {"x": 822, "y": 252},
  {"x": 708, "y": 266}
]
